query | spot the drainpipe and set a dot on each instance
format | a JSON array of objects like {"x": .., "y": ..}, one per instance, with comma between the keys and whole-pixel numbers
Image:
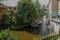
[{"x": 57, "y": 18}]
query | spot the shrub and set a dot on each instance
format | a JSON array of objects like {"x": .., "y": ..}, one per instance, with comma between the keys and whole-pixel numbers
[
  {"x": 4, "y": 22},
  {"x": 6, "y": 35}
]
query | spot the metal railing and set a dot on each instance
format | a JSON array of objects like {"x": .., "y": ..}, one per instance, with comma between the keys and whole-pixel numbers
[{"x": 55, "y": 37}]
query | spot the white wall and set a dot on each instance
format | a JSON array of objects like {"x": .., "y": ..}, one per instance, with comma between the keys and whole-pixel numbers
[
  {"x": 10, "y": 2},
  {"x": 50, "y": 8},
  {"x": 14, "y": 2},
  {"x": 58, "y": 7},
  {"x": 44, "y": 2}
]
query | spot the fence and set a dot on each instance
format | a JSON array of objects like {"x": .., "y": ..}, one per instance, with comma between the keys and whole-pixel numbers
[{"x": 54, "y": 37}]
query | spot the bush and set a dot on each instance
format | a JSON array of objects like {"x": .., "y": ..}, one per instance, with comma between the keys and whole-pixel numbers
[
  {"x": 4, "y": 20},
  {"x": 6, "y": 35}
]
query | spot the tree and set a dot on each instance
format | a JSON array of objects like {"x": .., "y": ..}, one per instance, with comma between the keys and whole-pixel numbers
[
  {"x": 27, "y": 12},
  {"x": 7, "y": 35},
  {"x": 5, "y": 20},
  {"x": 4, "y": 17},
  {"x": 40, "y": 9}
]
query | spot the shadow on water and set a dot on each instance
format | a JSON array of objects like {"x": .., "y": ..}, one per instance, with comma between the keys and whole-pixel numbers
[{"x": 29, "y": 29}]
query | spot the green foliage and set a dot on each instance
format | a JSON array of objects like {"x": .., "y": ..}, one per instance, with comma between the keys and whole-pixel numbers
[
  {"x": 27, "y": 11},
  {"x": 37, "y": 38},
  {"x": 5, "y": 19},
  {"x": 6, "y": 35},
  {"x": 40, "y": 9}
]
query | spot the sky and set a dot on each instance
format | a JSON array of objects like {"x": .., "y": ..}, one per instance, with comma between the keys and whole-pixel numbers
[{"x": 14, "y": 2}]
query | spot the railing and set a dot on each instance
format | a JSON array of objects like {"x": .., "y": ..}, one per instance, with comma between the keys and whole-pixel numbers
[{"x": 55, "y": 37}]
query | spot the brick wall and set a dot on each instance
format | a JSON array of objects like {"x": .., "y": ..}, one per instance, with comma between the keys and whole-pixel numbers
[{"x": 54, "y": 5}]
